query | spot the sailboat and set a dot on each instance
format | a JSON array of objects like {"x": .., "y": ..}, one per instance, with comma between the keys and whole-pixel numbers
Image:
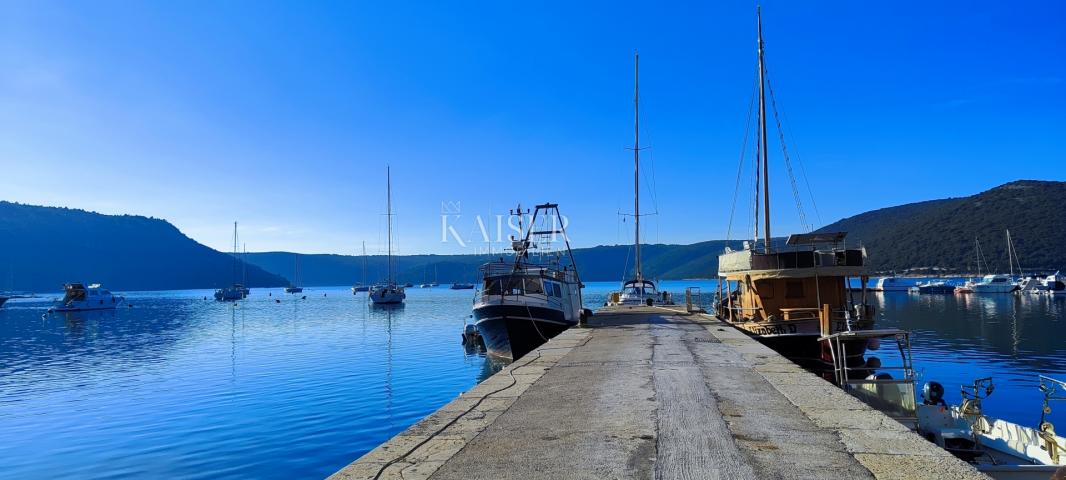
[
  {"x": 789, "y": 297},
  {"x": 998, "y": 283},
  {"x": 637, "y": 290},
  {"x": 389, "y": 293},
  {"x": 362, "y": 287},
  {"x": 295, "y": 286},
  {"x": 235, "y": 291}
]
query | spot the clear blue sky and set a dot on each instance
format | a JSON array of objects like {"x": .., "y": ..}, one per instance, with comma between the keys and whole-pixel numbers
[{"x": 283, "y": 115}]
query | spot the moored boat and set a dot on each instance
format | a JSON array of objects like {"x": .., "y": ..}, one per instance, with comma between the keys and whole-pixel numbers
[
  {"x": 892, "y": 284},
  {"x": 790, "y": 296},
  {"x": 78, "y": 297},
  {"x": 462, "y": 286},
  {"x": 295, "y": 287},
  {"x": 996, "y": 447},
  {"x": 236, "y": 291},
  {"x": 525, "y": 302},
  {"x": 637, "y": 290},
  {"x": 388, "y": 293},
  {"x": 933, "y": 288},
  {"x": 995, "y": 284}
]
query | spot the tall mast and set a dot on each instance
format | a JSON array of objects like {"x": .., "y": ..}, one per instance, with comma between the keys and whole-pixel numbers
[
  {"x": 636, "y": 156},
  {"x": 762, "y": 134},
  {"x": 1010, "y": 257},
  {"x": 388, "y": 193},
  {"x": 364, "y": 262},
  {"x": 234, "y": 276}
]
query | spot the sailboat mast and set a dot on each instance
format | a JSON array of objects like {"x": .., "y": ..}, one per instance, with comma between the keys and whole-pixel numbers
[
  {"x": 364, "y": 262},
  {"x": 636, "y": 157},
  {"x": 762, "y": 134},
  {"x": 1010, "y": 256},
  {"x": 234, "y": 276},
  {"x": 388, "y": 209}
]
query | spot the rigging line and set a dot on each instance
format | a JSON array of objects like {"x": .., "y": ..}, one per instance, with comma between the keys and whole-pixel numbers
[
  {"x": 740, "y": 165},
  {"x": 803, "y": 169},
  {"x": 784, "y": 152}
]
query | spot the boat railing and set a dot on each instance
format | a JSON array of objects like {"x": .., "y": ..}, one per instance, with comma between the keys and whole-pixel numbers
[{"x": 888, "y": 388}]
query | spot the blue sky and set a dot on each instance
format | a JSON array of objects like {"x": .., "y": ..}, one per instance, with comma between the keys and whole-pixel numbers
[{"x": 283, "y": 115}]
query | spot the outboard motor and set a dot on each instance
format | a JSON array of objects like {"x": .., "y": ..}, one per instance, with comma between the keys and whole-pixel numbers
[
  {"x": 933, "y": 393},
  {"x": 471, "y": 336}
]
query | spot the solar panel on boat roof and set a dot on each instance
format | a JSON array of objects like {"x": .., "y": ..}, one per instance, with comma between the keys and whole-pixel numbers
[{"x": 809, "y": 238}]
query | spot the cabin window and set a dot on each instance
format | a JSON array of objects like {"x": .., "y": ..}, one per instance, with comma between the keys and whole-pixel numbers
[
  {"x": 533, "y": 286},
  {"x": 794, "y": 289},
  {"x": 492, "y": 287},
  {"x": 557, "y": 290}
]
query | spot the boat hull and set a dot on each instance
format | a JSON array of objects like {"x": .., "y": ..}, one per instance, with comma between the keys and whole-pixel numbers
[
  {"x": 798, "y": 341},
  {"x": 387, "y": 296},
  {"x": 294, "y": 289},
  {"x": 511, "y": 331}
]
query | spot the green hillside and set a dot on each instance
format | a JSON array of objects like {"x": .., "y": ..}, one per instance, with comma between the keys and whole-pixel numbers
[
  {"x": 941, "y": 233},
  {"x": 41, "y": 248}
]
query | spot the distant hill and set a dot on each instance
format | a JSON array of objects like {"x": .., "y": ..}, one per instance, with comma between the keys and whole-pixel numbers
[
  {"x": 41, "y": 248},
  {"x": 941, "y": 233},
  {"x": 601, "y": 263}
]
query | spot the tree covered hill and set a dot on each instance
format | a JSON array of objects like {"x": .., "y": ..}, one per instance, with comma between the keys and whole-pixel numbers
[
  {"x": 41, "y": 248},
  {"x": 941, "y": 233},
  {"x": 601, "y": 263}
]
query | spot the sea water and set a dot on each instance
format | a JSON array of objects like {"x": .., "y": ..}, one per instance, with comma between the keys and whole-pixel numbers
[{"x": 281, "y": 386}]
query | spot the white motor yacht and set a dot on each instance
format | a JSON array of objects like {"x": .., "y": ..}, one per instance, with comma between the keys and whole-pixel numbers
[
  {"x": 78, "y": 298},
  {"x": 995, "y": 284}
]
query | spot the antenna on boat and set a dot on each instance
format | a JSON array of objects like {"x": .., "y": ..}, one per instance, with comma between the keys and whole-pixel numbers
[{"x": 762, "y": 134}]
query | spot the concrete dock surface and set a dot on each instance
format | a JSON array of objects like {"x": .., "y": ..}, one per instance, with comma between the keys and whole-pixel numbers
[{"x": 652, "y": 392}]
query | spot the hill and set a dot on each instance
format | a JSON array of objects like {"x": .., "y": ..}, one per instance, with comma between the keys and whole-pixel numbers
[
  {"x": 941, "y": 233},
  {"x": 601, "y": 263},
  {"x": 41, "y": 248}
]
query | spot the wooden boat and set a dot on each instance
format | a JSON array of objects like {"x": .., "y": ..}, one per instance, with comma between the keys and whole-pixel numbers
[{"x": 787, "y": 296}]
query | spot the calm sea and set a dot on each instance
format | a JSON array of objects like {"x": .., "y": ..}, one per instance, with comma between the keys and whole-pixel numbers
[{"x": 183, "y": 386}]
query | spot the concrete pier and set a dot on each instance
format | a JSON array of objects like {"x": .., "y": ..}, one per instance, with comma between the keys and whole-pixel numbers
[{"x": 651, "y": 392}]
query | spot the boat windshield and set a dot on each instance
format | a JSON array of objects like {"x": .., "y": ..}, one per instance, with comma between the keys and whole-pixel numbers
[
  {"x": 517, "y": 285},
  {"x": 638, "y": 288}
]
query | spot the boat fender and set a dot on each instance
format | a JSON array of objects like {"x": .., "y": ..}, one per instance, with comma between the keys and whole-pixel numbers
[{"x": 933, "y": 393}]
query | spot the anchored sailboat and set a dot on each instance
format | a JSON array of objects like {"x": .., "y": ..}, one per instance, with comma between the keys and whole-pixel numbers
[
  {"x": 295, "y": 286},
  {"x": 389, "y": 293},
  {"x": 637, "y": 290},
  {"x": 789, "y": 296},
  {"x": 236, "y": 291}
]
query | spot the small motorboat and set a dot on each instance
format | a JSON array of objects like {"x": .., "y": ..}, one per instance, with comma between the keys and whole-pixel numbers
[
  {"x": 1055, "y": 284},
  {"x": 462, "y": 286},
  {"x": 292, "y": 289},
  {"x": 79, "y": 298},
  {"x": 4, "y": 300},
  {"x": 996, "y": 447},
  {"x": 932, "y": 288},
  {"x": 360, "y": 288},
  {"x": 231, "y": 293}
]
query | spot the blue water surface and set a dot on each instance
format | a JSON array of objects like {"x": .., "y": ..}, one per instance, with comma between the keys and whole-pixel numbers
[{"x": 182, "y": 386}]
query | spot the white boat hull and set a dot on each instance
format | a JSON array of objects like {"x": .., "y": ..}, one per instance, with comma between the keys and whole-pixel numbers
[{"x": 389, "y": 295}]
